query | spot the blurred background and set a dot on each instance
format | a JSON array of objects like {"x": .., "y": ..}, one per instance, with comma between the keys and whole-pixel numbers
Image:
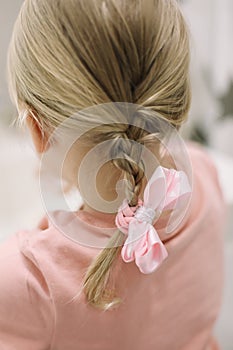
[{"x": 210, "y": 123}]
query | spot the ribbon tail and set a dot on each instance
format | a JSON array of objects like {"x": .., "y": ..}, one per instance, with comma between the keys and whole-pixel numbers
[
  {"x": 152, "y": 253},
  {"x": 127, "y": 251},
  {"x": 136, "y": 235}
]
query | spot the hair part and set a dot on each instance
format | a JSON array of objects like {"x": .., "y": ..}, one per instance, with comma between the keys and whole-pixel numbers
[{"x": 68, "y": 55}]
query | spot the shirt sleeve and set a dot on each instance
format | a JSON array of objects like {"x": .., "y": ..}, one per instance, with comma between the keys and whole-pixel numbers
[{"x": 26, "y": 307}]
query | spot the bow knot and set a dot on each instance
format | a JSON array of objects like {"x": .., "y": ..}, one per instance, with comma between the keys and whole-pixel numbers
[
  {"x": 165, "y": 189},
  {"x": 145, "y": 214}
]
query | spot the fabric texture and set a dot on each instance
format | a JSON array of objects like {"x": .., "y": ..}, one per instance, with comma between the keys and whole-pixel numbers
[{"x": 41, "y": 273}]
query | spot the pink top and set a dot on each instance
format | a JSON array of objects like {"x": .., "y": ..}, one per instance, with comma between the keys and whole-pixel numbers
[{"x": 173, "y": 308}]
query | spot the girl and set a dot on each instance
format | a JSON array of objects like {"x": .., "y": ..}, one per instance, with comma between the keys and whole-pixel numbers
[{"x": 146, "y": 289}]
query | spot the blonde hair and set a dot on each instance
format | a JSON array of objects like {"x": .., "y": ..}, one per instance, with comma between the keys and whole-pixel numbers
[{"x": 68, "y": 55}]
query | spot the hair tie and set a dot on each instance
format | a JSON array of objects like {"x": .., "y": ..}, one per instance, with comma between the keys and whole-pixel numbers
[{"x": 143, "y": 244}]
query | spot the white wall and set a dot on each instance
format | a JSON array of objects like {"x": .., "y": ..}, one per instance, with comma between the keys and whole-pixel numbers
[{"x": 8, "y": 13}]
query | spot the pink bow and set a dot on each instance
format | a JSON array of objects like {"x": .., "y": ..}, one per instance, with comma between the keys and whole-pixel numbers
[{"x": 164, "y": 191}]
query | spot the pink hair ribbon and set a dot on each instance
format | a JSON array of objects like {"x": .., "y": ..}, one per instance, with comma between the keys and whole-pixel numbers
[{"x": 166, "y": 190}]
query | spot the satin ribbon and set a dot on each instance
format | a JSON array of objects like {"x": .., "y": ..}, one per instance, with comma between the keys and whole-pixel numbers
[{"x": 166, "y": 190}]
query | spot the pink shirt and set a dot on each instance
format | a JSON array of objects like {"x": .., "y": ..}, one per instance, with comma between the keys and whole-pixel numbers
[{"x": 173, "y": 308}]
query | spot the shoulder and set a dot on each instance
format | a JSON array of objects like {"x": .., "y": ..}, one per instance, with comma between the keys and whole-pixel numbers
[
  {"x": 59, "y": 258},
  {"x": 203, "y": 168},
  {"x": 26, "y": 309},
  {"x": 208, "y": 202},
  {"x": 200, "y": 156},
  {"x": 13, "y": 267}
]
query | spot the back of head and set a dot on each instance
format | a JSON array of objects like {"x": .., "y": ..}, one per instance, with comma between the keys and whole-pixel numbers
[{"x": 69, "y": 55}]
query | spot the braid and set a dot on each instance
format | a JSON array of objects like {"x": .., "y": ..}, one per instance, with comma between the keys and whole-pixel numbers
[
  {"x": 126, "y": 149},
  {"x": 126, "y": 156}
]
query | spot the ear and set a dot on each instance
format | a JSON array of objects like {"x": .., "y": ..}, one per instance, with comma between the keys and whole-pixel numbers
[{"x": 39, "y": 137}]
